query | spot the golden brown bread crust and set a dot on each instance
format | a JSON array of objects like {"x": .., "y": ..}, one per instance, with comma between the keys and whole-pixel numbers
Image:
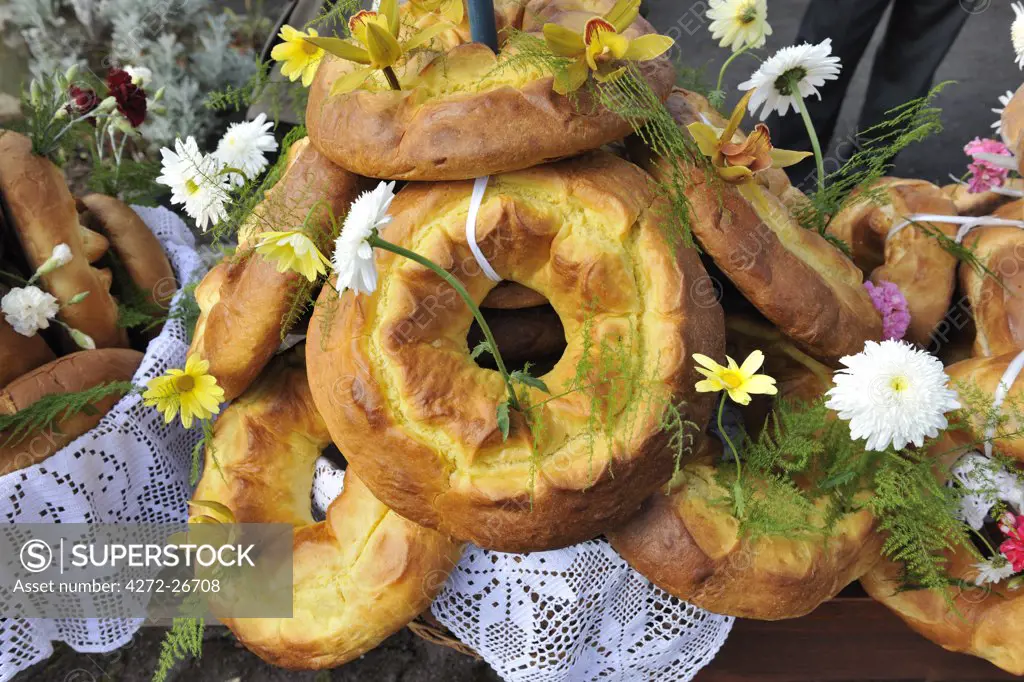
[
  {"x": 136, "y": 246},
  {"x": 983, "y": 374},
  {"x": 415, "y": 415},
  {"x": 244, "y": 299},
  {"x": 515, "y": 123},
  {"x": 1012, "y": 126},
  {"x": 43, "y": 215},
  {"x": 979, "y": 203},
  {"x": 912, "y": 259},
  {"x": 359, "y": 576},
  {"x": 997, "y": 299},
  {"x": 983, "y": 623},
  {"x": 69, "y": 374},
  {"x": 688, "y": 543},
  {"x": 807, "y": 288}
]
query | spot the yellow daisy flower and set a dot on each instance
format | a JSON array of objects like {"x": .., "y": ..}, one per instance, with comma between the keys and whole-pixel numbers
[
  {"x": 738, "y": 381},
  {"x": 292, "y": 250},
  {"x": 299, "y": 56},
  {"x": 191, "y": 391}
]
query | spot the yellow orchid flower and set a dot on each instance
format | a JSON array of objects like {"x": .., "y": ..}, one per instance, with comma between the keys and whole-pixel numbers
[
  {"x": 452, "y": 10},
  {"x": 736, "y": 162},
  {"x": 192, "y": 391},
  {"x": 376, "y": 45},
  {"x": 301, "y": 58},
  {"x": 293, "y": 250},
  {"x": 738, "y": 380},
  {"x": 601, "y": 46}
]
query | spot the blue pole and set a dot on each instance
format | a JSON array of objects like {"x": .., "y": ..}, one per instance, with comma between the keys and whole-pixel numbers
[{"x": 481, "y": 23}]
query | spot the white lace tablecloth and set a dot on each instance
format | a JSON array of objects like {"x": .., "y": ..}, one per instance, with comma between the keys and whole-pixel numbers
[
  {"x": 131, "y": 468},
  {"x": 578, "y": 614}
]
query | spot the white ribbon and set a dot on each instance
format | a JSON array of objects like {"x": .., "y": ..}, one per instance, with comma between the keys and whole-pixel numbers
[
  {"x": 966, "y": 223},
  {"x": 1006, "y": 162},
  {"x": 479, "y": 187},
  {"x": 1005, "y": 382}
]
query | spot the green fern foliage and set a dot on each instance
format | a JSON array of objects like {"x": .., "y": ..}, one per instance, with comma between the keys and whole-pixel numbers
[
  {"x": 184, "y": 640},
  {"x": 49, "y": 410}
]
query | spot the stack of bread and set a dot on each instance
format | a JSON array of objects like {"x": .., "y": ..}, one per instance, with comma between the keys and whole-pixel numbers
[
  {"x": 113, "y": 255},
  {"x": 575, "y": 226}
]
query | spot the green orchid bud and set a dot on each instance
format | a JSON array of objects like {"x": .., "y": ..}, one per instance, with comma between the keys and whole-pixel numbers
[
  {"x": 70, "y": 74},
  {"x": 35, "y": 93},
  {"x": 107, "y": 105},
  {"x": 159, "y": 95},
  {"x": 78, "y": 298}
]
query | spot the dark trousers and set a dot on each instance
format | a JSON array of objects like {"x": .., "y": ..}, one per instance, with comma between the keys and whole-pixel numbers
[{"x": 919, "y": 34}]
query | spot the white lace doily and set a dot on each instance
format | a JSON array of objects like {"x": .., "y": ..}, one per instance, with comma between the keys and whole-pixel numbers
[
  {"x": 131, "y": 468},
  {"x": 572, "y": 615}
]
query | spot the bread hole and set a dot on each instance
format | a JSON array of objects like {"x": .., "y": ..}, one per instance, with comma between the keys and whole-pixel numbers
[
  {"x": 333, "y": 455},
  {"x": 532, "y": 335}
]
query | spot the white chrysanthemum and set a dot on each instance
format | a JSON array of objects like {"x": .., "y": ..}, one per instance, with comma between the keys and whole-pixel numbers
[
  {"x": 998, "y": 111},
  {"x": 987, "y": 483},
  {"x": 739, "y": 23},
  {"x": 140, "y": 75},
  {"x": 245, "y": 146},
  {"x": 892, "y": 394},
  {"x": 994, "y": 570},
  {"x": 196, "y": 181},
  {"x": 1017, "y": 32},
  {"x": 353, "y": 255},
  {"x": 28, "y": 309},
  {"x": 811, "y": 65}
]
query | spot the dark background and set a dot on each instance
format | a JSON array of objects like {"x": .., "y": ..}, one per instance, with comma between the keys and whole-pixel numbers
[{"x": 982, "y": 63}]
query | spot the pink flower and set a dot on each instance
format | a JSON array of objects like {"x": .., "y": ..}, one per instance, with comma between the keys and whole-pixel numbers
[
  {"x": 1013, "y": 547},
  {"x": 984, "y": 175},
  {"x": 888, "y": 301}
]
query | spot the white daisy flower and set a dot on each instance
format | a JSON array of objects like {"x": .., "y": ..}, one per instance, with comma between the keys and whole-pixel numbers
[
  {"x": 998, "y": 111},
  {"x": 994, "y": 570},
  {"x": 739, "y": 23},
  {"x": 892, "y": 394},
  {"x": 353, "y": 255},
  {"x": 811, "y": 65},
  {"x": 1017, "y": 32},
  {"x": 28, "y": 309},
  {"x": 196, "y": 181},
  {"x": 59, "y": 257},
  {"x": 140, "y": 75},
  {"x": 987, "y": 483},
  {"x": 245, "y": 145}
]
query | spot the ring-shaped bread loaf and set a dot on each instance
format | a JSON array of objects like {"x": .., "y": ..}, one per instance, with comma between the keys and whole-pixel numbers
[
  {"x": 42, "y": 214},
  {"x": 911, "y": 258},
  {"x": 392, "y": 374},
  {"x": 981, "y": 621},
  {"x": 689, "y": 542},
  {"x": 795, "y": 278},
  {"x": 360, "y": 575},
  {"x": 996, "y": 295},
  {"x": 244, "y": 300},
  {"x": 467, "y": 112}
]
